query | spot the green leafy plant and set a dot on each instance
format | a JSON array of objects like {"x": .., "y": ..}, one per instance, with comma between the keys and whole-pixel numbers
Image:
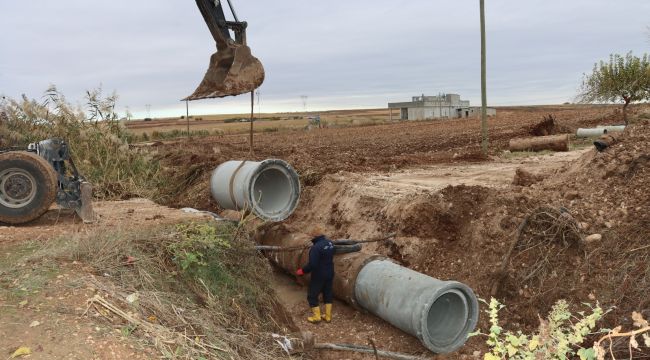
[
  {"x": 198, "y": 242},
  {"x": 560, "y": 336}
]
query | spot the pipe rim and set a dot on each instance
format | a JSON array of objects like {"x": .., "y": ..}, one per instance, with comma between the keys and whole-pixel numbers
[
  {"x": 293, "y": 180},
  {"x": 469, "y": 310}
]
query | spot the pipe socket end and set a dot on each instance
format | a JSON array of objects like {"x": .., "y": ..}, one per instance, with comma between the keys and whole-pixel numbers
[
  {"x": 270, "y": 189},
  {"x": 448, "y": 320}
]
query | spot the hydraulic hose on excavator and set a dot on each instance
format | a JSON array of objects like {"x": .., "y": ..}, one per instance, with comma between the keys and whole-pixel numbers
[{"x": 233, "y": 69}]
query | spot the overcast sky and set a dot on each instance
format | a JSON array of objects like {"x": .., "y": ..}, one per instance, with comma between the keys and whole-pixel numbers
[{"x": 341, "y": 54}]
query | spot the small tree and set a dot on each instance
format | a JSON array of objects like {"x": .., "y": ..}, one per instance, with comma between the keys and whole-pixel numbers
[{"x": 623, "y": 78}]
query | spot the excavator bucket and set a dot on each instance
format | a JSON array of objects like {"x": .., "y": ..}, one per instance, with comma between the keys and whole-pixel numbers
[{"x": 233, "y": 69}]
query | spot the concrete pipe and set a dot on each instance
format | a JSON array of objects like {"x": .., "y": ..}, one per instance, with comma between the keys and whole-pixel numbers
[
  {"x": 612, "y": 128},
  {"x": 440, "y": 314},
  {"x": 599, "y": 131},
  {"x": 270, "y": 189}
]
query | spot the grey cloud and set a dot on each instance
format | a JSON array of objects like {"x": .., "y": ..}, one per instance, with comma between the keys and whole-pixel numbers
[{"x": 342, "y": 54}]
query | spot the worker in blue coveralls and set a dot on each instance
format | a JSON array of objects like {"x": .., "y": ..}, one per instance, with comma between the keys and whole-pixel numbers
[{"x": 321, "y": 267}]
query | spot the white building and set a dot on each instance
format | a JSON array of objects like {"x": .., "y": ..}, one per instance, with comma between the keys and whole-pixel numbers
[{"x": 437, "y": 107}]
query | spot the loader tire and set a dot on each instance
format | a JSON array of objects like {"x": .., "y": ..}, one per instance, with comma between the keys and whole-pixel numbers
[{"x": 28, "y": 186}]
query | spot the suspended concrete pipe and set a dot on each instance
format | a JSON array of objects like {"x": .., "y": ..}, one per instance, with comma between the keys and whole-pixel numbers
[
  {"x": 598, "y": 131},
  {"x": 270, "y": 189},
  {"x": 441, "y": 314}
]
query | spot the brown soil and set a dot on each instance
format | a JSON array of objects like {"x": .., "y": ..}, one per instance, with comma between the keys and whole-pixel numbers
[
  {"x": 455, "y": 214},
  {"x": 111, "y": 215},
  {"x": 463, "y": 232},
  {"x": 41, "y": 305},
  {"x": 388, "y": 147}
]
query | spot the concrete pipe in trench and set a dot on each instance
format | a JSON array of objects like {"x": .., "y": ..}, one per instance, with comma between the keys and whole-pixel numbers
[
  {"x": 270, "y": 188},
  {"x": 441, "y": 314}
]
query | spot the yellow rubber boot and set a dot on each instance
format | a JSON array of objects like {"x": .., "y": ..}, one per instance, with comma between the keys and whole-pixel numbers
[
  {"x": 316, "y": 318},
  {"x": 328, "y": 313}
]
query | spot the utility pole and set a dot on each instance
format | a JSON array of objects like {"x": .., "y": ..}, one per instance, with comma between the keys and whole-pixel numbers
[
  {"x": 484, "y": 126},
  {"x": 304, "y": 103}
]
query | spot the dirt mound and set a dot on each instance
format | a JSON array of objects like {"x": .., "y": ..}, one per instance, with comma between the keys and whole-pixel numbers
[
  {"x": 615, "y": 182},
  {"x": 609, "y": 195},
  {"x": 442, "y": 215},
  {"x": 548, "y": 126},
  {"x": 526, "y": 178}
]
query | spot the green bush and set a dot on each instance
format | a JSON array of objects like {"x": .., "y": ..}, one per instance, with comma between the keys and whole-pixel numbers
[
  {"x": 205, "y": 254},
  {"x": 560, "y": 336}
]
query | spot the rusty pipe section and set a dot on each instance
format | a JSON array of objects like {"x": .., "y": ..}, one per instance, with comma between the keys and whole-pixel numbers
[{"x": 441, "y": 314}]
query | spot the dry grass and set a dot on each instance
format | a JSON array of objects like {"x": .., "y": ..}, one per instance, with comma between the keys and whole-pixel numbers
[
  {"x": 98, "y": 142},
  {"x": 202, "y": 292}
]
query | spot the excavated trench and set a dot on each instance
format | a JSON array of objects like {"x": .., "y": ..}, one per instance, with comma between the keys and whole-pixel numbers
[{"x": 442, "y": 232}]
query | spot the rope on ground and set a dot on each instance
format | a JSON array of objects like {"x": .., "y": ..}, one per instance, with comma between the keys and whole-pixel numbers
[
  {"x": 303, "y": 247},
  {"x": 366, "y": 350}
]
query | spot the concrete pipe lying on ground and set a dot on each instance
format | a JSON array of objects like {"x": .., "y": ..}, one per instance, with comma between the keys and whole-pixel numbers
[
  {"x": 270, "y": 189},
  {"x": 441, "y": 314},
  {"x": 598, "y": 131},
  {"x": 539, "y": 143}
]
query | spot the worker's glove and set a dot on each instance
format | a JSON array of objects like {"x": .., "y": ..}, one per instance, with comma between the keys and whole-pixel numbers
[{"x": 299, "y": 272}]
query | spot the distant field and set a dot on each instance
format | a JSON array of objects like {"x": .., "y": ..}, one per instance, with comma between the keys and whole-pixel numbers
[
  {"x": 204, "y": 125},
  {"x": 263, "y": 122}
]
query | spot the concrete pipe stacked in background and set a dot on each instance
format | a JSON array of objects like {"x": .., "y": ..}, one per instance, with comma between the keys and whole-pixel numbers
[
  {"x": 598, "y": 131},
  {"x": 270, "y": 188},
  {"x": 441, "y": 314}
]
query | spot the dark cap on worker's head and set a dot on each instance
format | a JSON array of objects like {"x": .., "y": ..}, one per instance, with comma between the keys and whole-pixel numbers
[{"x": 315, "y": 231}]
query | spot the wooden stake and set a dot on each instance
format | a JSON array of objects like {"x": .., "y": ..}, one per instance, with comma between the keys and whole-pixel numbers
[
  {"x": 252, "y": 119},
  {"x": 187, "y": 117}
]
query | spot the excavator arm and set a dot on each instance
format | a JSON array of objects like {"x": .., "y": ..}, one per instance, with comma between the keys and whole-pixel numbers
[{"x": 233, "y": 70}]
